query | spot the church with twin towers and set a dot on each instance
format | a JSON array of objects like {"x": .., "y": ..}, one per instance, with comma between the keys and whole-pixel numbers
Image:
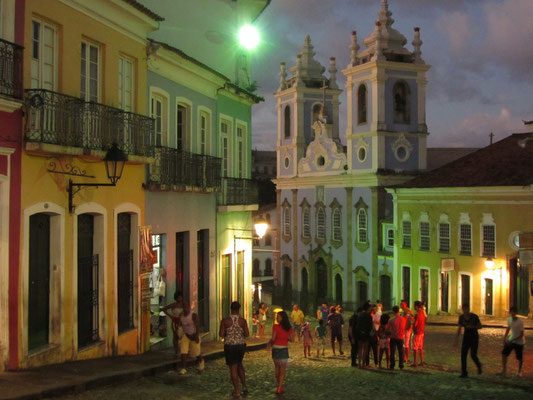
[{"x": 336, "y": 223}]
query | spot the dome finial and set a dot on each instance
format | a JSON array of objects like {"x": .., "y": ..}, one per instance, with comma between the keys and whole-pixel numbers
[
  {"x": 282, "y": 77},
  {"x": 417, "y": 44},
  {"x": 354, "y": 48}
]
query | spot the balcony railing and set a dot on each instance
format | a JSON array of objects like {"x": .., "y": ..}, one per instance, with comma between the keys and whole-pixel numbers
[
  {"x": 238, "y": 191},
  {"x": 173, "y": 167},
  {"x": 64, "y": 120},
  {"x": 10, "y": 69}
]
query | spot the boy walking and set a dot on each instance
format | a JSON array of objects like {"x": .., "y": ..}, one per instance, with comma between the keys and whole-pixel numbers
[
  {"x": 515, "y": 341},
  {"x": 320, "y": 333}
]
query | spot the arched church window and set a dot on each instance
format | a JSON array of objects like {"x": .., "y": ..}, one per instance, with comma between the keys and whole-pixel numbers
[
  {"x": 362, "y": 226},
  {"x": 287, "y": 121},
  {"x": 362, "y": 104},
  {"x": 401, "y": 96},
  {"x": 287, "y": 221},
  {"x": 336, "y": 219},
  {"x": 306, "y": 222},
  {"x": 321, "y": 223}
]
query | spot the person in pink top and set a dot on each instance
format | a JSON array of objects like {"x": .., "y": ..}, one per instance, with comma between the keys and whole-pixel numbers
[
  {"x": 397, "y": 328},
  {"x": 282, "y": 333},
  {"x": 419, "y": 327},
  {"x": 410, "y": 315}
]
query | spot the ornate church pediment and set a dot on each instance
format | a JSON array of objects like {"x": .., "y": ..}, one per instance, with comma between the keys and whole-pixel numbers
[
  {"x": 337, "y": 269},
  {"x": 323, "y": 154}
]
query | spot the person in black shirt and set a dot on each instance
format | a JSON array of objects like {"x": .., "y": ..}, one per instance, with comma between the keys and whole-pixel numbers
[
  {"x": 352, "y": 336},
  {"x": 335, "y": 322},
  {"x": 470, "y": 323}
]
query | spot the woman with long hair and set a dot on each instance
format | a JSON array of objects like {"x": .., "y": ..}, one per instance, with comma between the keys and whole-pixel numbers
[{"x": 282, "y": 333}]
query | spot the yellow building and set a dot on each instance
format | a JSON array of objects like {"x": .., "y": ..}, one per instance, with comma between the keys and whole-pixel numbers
[
  {"x": 458, "y": 232},
  {"x": 79, "y": 282}
]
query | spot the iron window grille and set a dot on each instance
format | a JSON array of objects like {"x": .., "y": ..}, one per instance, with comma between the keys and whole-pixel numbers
[
  {"x": 425, "y": 238},
  {"x": 465, "y": 238},
  {"x": 444, "y": 238},
  {"x": 489, "y": 241},
  {"x": 10, "y": 69},
  {"x": 406, "y": 234}
]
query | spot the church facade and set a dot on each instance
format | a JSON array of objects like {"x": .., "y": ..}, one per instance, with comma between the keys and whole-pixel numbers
[{"x": 333, "y": 209}]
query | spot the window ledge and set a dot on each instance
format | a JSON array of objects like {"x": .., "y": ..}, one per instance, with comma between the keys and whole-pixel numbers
[
  {"x": 336, "y": 243},
  {"x": 362, "y": 246}
]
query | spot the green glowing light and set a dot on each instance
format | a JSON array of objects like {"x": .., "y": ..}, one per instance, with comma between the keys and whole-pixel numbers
[{"x": 248, "y": 37}]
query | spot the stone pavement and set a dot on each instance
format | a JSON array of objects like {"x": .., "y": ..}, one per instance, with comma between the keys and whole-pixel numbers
[
  {"x": 78, "y": 376},
  {"x": 486, "y": 321}
]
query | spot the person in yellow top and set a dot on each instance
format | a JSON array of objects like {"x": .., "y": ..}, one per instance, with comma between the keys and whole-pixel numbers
[{"x": 297, "y": 317}]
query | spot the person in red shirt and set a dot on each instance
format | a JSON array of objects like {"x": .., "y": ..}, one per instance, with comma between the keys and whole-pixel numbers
[
  {"x": 282, "y": 333},
  {"x": 419, "y": 327},
  {"x": 397, "y": 327}
]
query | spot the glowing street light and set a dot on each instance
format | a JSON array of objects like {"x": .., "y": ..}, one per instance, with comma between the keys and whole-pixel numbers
[
  {"x": 489, "y": 263},
  {"x": 248, "y": 37},
  {"x": 261, "y": 227}
]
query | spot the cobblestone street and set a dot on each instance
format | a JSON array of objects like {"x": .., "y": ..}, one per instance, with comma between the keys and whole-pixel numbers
[{"x": 332, "y": 377}]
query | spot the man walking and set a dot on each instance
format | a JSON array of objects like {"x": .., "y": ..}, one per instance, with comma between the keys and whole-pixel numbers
[
  {"x": 363, "y": 330},
  {"x": 234, "y": 329},
  {"x": 397, "y": 328},
  {"x": 419, "y": 328},
  {"x": 515, "y": 341},
  {"x": 190, "y": 343},
  {"x": 470, "y": 323},
  {"x": 297, "y": 317}
]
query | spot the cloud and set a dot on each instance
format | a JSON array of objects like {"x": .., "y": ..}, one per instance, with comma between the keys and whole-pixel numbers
[
  {"x": 509, "y": 35},
  {"x": 474, "y": 130}
]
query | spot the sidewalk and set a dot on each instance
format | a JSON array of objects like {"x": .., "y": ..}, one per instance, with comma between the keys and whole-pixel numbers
[{"x": 78, "y": 376}]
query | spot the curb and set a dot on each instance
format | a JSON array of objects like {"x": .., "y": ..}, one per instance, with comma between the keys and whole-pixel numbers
[{"x": 100, "y": 381}]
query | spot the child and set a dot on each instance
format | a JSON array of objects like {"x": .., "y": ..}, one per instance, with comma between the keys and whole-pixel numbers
[
  {"x": 384, "y": 339},
  {"x": 255, "y": 324},
  {"x": 308, "y": 339},
  {"x": 320, "y": 333},
  {"x": 173, "y": 311}
]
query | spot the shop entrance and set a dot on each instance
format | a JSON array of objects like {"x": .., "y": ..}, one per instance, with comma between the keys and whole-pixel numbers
[{"x": 518, "y": 286}]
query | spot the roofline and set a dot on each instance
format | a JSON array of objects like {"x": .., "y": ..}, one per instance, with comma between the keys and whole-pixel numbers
[
  {"x": 261, "y": 12},
  {"x": 145, "y": 10}
]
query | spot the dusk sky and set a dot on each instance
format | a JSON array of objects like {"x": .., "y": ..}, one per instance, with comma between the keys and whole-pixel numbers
[{"x": 481, "y": 53}]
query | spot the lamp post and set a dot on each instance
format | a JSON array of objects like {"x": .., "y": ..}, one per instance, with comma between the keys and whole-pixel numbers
[{"x": 114, "y": 165}]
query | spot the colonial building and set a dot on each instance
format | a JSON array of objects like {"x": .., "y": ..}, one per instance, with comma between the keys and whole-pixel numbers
[
  {"x": 200, "y": 181},
  {"x": 11, "y": 95},
  {"x": 331, "y": 202},
  {"x": 79, "y": 290},
  {"x": 457, "y": 231}
]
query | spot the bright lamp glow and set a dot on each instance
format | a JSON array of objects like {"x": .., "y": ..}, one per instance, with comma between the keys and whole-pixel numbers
[
  {"x": 248, "y": 37},
  {"x": 261, "y": 227},
  {"x": 489, "y": 263}
]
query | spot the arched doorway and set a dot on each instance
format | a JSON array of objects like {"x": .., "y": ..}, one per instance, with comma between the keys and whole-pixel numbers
[
  {"x": 321, "y": 279},
  {"x": 362, "y": 293},
  {"x": 338, "y": 289}
]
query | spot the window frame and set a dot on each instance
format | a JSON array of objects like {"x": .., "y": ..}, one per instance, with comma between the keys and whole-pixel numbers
[
  {"x": 204, "y": 112},
  {"x": 39, "y": 62},
  {"x": 336, "y": 226},
  {"x": 321, "y": 226},
  {"x": 427, "y": 236},
  {"x": 407, "y": 237},
  {"x": 362, "y": 112},
  {"x": 88, "y": 78},
  {"x": 287, "y": 117},
  {"x": 442, "y": 240},
  {"x": 362, "y": 230},
  {"x": 159, "y": 94},
  {"x": 227, "y": 160},
  {"x": 484, "y": 241},
  {"x": 241, "y": 142},
  {"x": 123, "y": 59},
  {"x": 464, "y": 240}
]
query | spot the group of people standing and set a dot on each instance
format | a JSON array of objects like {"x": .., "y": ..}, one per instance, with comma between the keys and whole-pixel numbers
[{"x": 387, "y": 334}]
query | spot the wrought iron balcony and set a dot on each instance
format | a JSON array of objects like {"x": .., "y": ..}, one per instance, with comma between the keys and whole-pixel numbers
[
  {"x": 238, "y": 191},
  {"x": 10, "y": 69},
  {"x": 173, "y": 167},
  {"x": 56, "y": 118}
]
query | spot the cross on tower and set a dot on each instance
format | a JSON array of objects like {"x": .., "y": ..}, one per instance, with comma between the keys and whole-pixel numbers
[
  {"x": 491, "y": 136},
  {"x": 323, "y": 111}
]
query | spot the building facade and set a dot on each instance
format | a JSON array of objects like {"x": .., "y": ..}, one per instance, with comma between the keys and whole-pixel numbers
[
  {"x": 11, "y": 101},
  {"x": 79, "y": 288},
  {"x": 457, "y": 232},
  {"x": 331, "y": 202},
  {"x": 265, "y": 255}
]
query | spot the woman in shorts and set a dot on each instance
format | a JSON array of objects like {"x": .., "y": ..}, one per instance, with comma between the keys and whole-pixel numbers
[
  {"x": 234, "y": 329},
  {"x": 282, "y": 333}
]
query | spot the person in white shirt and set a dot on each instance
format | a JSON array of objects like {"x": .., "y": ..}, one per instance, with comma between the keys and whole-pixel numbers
[{"x": 513, "y": 341}]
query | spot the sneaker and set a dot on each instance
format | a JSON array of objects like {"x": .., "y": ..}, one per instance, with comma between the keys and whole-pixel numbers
[
  {"x": 479, "y": 369},
  {"x": 201, "y": 365},
  {"x": 342, "y": 353},
  {"x": 182, "y": 371}
]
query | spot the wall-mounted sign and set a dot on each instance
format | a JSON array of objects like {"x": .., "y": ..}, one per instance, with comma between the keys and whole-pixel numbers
[{"x": 447, "y": 264}]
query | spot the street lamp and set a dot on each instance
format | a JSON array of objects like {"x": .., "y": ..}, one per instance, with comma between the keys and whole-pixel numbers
[
  {"x": 114, "y": 166},
  {"x": 248, "y": 37},
  {"x": 261, "y": 226},
  {"x": 489, "y": 263}
]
